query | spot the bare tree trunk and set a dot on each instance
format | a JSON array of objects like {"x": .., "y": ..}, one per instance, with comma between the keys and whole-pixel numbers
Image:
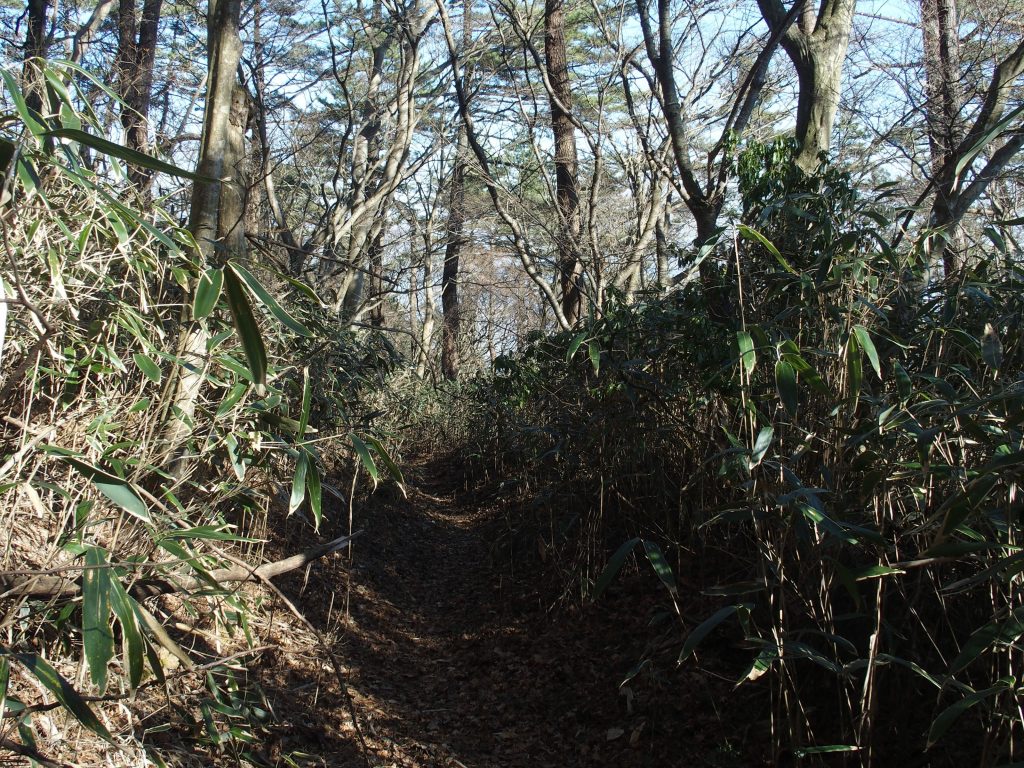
[
  {"x": 35, "y": 48},
  {"x": 567, "y": 197},
  {"x": 218, "y": 207},
  {"x": 451, "y": 325},
  {"x": 943, "y": 100},
  {"x": 817, "y": 54},
  {"x": 136, "y": 54},
  {"x": 83, "y": 37}
]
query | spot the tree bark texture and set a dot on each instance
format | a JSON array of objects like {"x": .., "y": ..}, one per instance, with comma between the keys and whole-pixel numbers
[
  {"x": 35, "y": 48},
  {"x": 567, "y": 197},
  {"x": 136, "y": 55},
  {"x": 817, "y": 56}
]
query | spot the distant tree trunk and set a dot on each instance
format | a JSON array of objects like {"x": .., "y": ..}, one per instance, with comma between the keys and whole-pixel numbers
[
  {"x": 958, "y": 188},
  {"x": 136, "y": 54},
  {"x": 451, "y": 324},
  {"x": 36, "y": 43},
  {"x": 943, "y": 101},
  {"x": 817, "y": 53},
  {"x": 84, "y": 36},
  {"x": 566, "y": 161},
  {"x": 217, "y": 214}
]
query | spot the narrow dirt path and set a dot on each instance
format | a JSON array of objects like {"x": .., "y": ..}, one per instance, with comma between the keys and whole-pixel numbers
[{"x": 454, "y": 662}]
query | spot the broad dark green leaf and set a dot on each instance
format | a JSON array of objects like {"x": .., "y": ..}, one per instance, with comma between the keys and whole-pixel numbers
[
  {"x": 63, "y": 691},
  {"x": 753, "y": 234},
  {"x": 704, "y": 629},
  {"x": 26, "y": 115},
  {"x": 611, "y": 570},
  {"x": 785, "y": 383},
  {"x": 133, "y": 645},
  {"x": 97, "y": 635},
  {"x": 315, "y": 492},
  {"x": 207, "y": 292},
  {"x": 116, "y": 489},
  {"x": 307, "y": 401},
  {"x": 950, "y": 715},
  {"x": 148, "y": 367},
  {"x": 660, "y": 565},
  {"x": 389, "y": 463},
  {"x": 865, "y": 343},
  {"x": 1006, "y": 631},
  {"x": 124, "y": 153},
  {"x": 594, "y": 350},
  {"x": 267, "y": 300},
  {"x": 903, "y": 383},
  {"x": 854, "y": 372},
  {"x": 748, "y": 355},
  {"x": 248, "y": 329},
  {"x": 761, "y": 445},
  {"x": 575, "y": 345},
  {"x": 365, "y": 456},
  {"x": 299, "y": 482}
]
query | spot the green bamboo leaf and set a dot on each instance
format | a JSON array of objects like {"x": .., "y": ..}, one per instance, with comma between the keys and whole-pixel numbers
[
  {"x": 248, "y": 329},
  {"x": 267, "y": 300},
  {"x": 26, "y": 115},
  {"x": 307, "y": 401},
  {"x": 964, "y": 162},
  {"x": 804, "y": 751},
  {"x": 133, "y": 645},
  {"x": 575, "y": 345},
  {"x": 365, "y": 456},
  {"x": 207, "y": 292},
  {"x": 761, "y": 445},
  {"x": 97, "y": 636},
  {"x": 951, "y": 714},
  {"x": 753, "y": 234},
  {"x": 148, "y": 367},
  {"x": 315, "y": 491},
  {"x": 865, "y": 343},
  {"x": 660, "y": 565},
  {"x": 785, "y": 383},
  {"x": 116, "y": 489},
  {"x": 904, "y": 385},
  {"x": 985, "y": 637},
  {"x": 238, "y": 462},
  {"x": 854, "y": 371},
  {"x": 389, "y": 463},
  {"x": 299, "y": 482},
  {"x": 63, "y": 691},
  {"x": 615, "y": 563},
  {"x": 5, "y": 679},
  {"x": 704, "y": 629},
  {"x": 594, "y": 351},
  {"x": 124, "y": 153},
  {"x": 876, "y": 572},
  {"x": 748, "y": 355}
]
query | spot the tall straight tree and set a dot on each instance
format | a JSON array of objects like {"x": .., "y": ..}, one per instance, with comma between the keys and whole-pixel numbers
[
  {"x": 567, "y": 194},
  {"x": 136, "y": 55},
  {"x": 456, "y": 237},
  {"x": 217, "y": 215}
]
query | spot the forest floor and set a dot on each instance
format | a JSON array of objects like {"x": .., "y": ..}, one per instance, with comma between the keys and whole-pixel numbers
[{"x": 453, "y": 660}]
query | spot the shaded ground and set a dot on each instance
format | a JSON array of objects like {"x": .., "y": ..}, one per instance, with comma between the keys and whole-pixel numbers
[{"x": 452, "y": 661}]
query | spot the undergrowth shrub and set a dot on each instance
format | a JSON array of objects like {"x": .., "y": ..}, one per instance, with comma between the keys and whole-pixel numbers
[
  {"x": 115, "y": 533},
  {"x": 838, "y": 471}
]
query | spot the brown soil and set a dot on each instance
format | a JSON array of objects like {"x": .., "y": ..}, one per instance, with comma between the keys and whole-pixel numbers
[{"x": 452, "y": 660}]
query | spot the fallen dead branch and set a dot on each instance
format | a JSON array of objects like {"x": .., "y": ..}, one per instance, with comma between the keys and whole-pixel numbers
[{"x": 58, "y": 583}]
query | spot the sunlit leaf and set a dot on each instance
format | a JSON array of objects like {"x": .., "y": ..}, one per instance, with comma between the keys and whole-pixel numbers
[{"x": 97, "y": 635}]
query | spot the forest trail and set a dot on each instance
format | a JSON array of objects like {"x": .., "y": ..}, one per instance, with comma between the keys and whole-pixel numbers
[{"x": 454, "y": 662}]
